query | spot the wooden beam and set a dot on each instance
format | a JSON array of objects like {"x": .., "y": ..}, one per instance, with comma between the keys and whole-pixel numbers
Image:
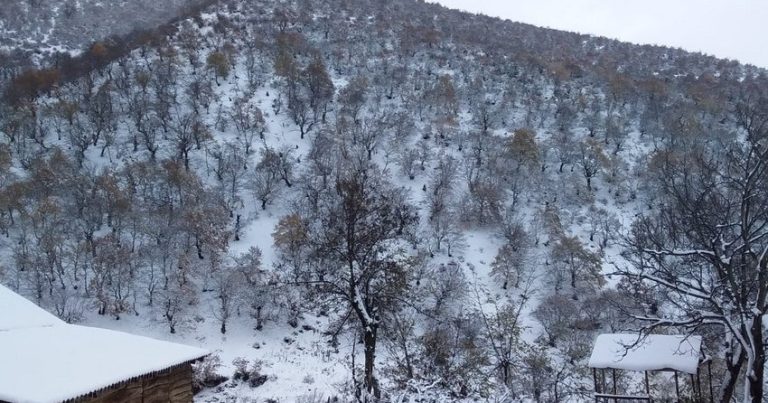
[
  {"x": 647, "y": 384},
  {"x": 711, "y": 390},
  {"x": 594, "y": 378},
  {"x": 615, "y": 397}
]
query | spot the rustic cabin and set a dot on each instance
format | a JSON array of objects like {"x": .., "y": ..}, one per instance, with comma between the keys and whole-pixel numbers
[
  {"x": 43, "y": 359},
  {"x": 664, "y": 368}
]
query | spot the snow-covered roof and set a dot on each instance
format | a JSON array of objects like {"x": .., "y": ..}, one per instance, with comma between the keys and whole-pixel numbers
[
  {"x": 17, "y": 312},
  {"x": 652, "y": 353},
  {"x": 43, "y": 359}
]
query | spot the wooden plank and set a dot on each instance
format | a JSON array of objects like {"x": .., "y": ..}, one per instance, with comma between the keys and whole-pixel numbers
[
  {"x": 130, "y": 392},
  {"x": 181, "y": 389},
  {"x": 610, "y": 397},
  {"x": 158, "y": 388},
  {"x": 173, "y": 385}
]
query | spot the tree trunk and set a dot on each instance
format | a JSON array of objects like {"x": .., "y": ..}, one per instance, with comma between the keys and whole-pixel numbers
[
  {"x": 259, "y": 324},
  {"x": 237, "y": 228},
  {"x": 369, "y": 341},
  {"x": 199, "y": 248},
  {"x": 731, "y": 376},
  {"x": 758, "y": 365},
  {"x": 573, "y": 276}
]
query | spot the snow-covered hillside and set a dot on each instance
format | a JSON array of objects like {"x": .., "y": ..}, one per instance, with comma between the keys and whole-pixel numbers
[
  {"x": 44, "y": 27},
  {"x": 353, "y": 198}
]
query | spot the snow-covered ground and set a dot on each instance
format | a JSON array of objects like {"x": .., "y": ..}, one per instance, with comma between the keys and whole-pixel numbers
[{"x": 298, "y": 358}]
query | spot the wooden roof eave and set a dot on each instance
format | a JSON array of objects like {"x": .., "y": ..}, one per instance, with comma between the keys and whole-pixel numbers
[{"x": 148, "y": 375}]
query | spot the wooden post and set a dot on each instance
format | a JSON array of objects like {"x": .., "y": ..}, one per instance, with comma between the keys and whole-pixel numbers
[
  {"x": 694, "y": 388},
  {"x": 614, "y": 385},
  {"x": 594, "y": 377},
  {"x": 602, "y": 381},
  {"x": 597, "y": 387},
  {"x": 711, "y": 390},
  {"x": 647, "y": 385},
  {"x": 698, "y": 382},
  {"x": 677, "y": 387}
]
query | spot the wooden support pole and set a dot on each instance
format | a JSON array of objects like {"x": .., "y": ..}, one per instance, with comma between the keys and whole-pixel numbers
[
  {"x": 602, "y": 382},
  {"x": 614, "y": 384},
  {"x": 677, "y": 387},
  {"x": 647, "y": 385},
  {"x": 698, "y": 383},
  {"x": 711, "y": 389},
  {"x": 594, "y": 377},
  {"x": 694, "y": 388}
]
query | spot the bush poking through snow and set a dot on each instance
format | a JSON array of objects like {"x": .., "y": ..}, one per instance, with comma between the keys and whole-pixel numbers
[
  {"x": 316, "y": 397},
  {"x": 205, "y": 373},
  {"x": 241, "y": 368},
  {"x": 251, "y": 374}
]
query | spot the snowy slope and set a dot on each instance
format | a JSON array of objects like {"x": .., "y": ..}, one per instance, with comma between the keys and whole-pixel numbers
[{"x": 296, "y": 348}]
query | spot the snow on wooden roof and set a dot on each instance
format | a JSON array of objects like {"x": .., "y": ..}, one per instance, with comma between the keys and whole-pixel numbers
[
  {"x": 17, "y": 312},
  {"x": 653, "y": 353},
  {"x": 43, "y": 359}
]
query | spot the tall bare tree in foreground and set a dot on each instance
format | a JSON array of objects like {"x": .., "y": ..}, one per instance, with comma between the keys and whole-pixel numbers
[
  {"x": 706, "y": 248},
  {"x": 354, "y": 239}
]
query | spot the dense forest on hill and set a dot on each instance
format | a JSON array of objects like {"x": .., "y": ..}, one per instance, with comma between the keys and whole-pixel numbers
[
  {"x": 31, "y": 31},
  {"x": 368, "y": 200}
]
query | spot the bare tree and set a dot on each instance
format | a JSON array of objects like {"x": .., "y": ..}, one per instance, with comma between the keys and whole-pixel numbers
[
  {"x": 248, "y": 121},
  {"x": 354, "y": 257},
  {"x": 229, "y": 283},
  {"x": 501, "y": 327},
  {"x": 591, "y": 160},
  {"x": 573, "y": 262},
  {"x": 510, "y": 261},
  {"x": 706, "y": 248},
  {"x": 353, "y": 97}
]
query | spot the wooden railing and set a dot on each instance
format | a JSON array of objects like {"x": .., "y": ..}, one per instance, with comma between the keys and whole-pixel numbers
[{"x": 607, "y": 398}]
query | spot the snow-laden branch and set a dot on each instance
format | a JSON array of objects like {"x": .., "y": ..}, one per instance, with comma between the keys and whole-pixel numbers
[
  {"x": 679, "y": 287},
  {"x": 357, "y": 300},
  {"x": 681, "y": 252}
]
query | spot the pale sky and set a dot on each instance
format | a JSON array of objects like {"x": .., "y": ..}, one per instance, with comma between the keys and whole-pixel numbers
[{"x": 733, "y": 29}]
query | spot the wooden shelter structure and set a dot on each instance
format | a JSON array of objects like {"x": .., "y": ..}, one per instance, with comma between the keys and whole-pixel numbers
[
  {"x": 43, "y": 359},
  {"x": 679, "y": 355}
]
